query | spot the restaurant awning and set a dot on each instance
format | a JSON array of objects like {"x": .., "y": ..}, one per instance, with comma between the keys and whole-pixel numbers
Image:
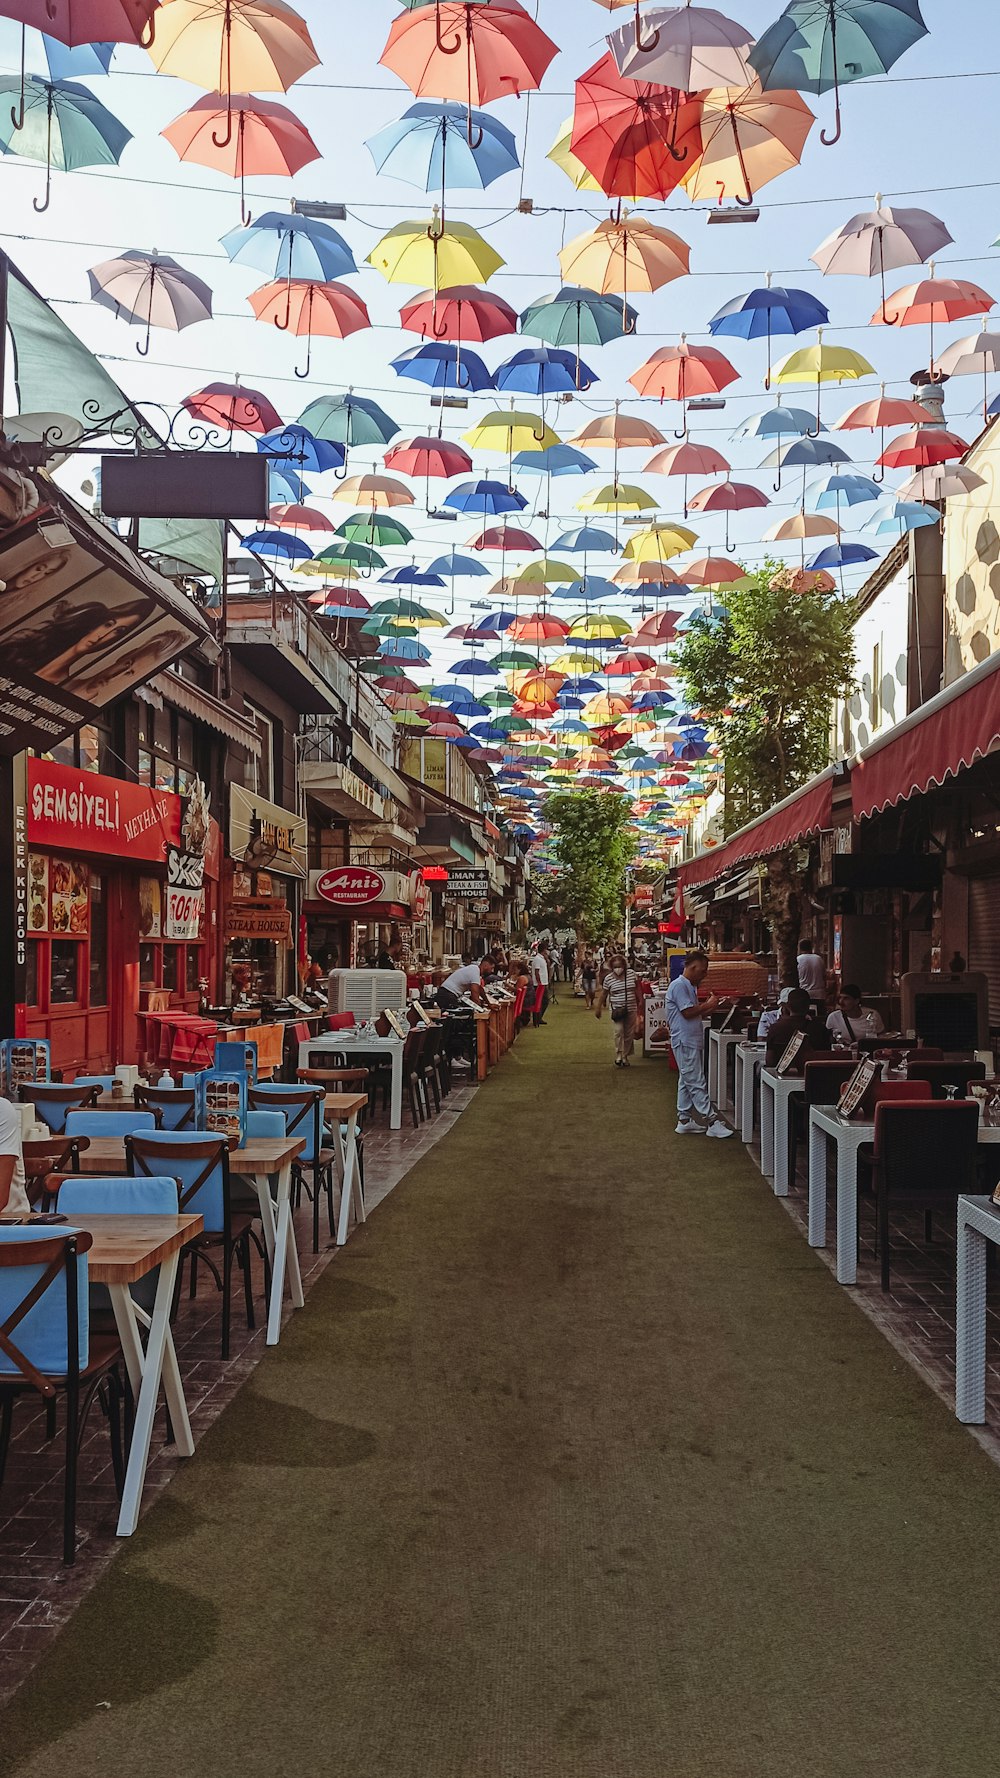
[
  {"x": 947, "y": 734},
  {"x": 800, "y": 814}
]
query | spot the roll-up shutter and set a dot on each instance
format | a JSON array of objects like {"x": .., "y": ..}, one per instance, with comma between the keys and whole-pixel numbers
[{"x": 984, "y": 936}]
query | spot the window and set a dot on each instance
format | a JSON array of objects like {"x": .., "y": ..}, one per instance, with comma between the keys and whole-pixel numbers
[
  {"x": 195, "y": 968},
  {"x": 65, "y": 985},
  {"x": 260, "y": 772},
  {"x": 169, "y": 970},
  {"x": 98, "y": 943},
  {"x": 31, "y": 989},
  {"x": 89, "y": 750},
  {"x": 167, "y": 750},
  {"x": 147, "y": 966}
]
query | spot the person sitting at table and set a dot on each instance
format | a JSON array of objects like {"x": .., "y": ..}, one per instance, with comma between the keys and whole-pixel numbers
[
  {"x": 798, "y": 1016},
  {"x": 851, "y": 1020},
  {"x": 772, "y": 1014},
  {"x": 13, "y": 1195}
]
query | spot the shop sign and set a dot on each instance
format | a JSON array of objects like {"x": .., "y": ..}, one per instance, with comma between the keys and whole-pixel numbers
[
  {"x": 469, "y": 885},
  {"x": 185, "y": 908},
  {"x": 263, "y": 835},
  {"x": 85, "y": 812},
  {"x": 244, "y": 920},
  {"x": 349, "y": 885},
  {"x": 417, "y": 895}
]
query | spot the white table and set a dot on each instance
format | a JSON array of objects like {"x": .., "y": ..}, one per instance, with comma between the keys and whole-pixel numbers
[
  {"x": 346, "y": 1043},
  {"x": 749, "y": 1058},
  {"x": 343, "y": 1111},
  {"x": 775, "y": 1092},
  {"x": 825, "y": 1125},
  {"x": 978, "y": 1222},
  {"x": 719, "y": 1045}
]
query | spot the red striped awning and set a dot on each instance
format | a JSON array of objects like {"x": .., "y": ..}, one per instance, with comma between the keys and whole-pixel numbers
[
  {"x": 945, "y": 736},
  {"x": 808, "y": 810}
]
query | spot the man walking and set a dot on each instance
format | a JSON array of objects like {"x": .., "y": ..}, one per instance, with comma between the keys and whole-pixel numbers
[
  {"x": 540, "y": 978},
  {"x": 812, "y": 972},
  {"x": 696, "y": 1115}
]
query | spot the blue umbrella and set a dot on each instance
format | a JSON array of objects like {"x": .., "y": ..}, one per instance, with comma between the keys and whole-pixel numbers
[
  {"x": 806, "y": 453},
  {"x": 281, "y": 546},
  {"x": 443, "y": 366},
  {"x": 286, "y": 246},
  {"x": 433, "y": 146},
  {"x": 897, "y": 516},
  {"x": 411, "y": 575},
  {"x": 557, "y": 459},
  {"x": 81, "y": 62},
  {"x": 453, "y": 563},
  {"x": 485, "y": 497},
  {"x": 544, "y": 370},
  {"x": 843, "y": 555},
  {"x": 587, "y": 539},
  {"x": 60, "y": 124},
  {"x": 475, "y": 668},
  {"x": 834, "y": 488},
  {"x": 495, "y": 624},
  {"x": 591, "y": 588},
  {"x": 293, "y": 447},
  {"x": 284, "y": 484},
  {"x": 403, "y": 648},
  {"x": 766, "y": 312},
  {"x": 778, "y": 422},
  {"x": 817, "y": 45}
]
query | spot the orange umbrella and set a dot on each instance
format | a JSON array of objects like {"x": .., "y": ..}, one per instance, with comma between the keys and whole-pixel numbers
[
  {"x": 457, "y": 49},
  {"x": 232, "y": 46},
  {"x": 298, "y": 518},
  {"x": 932, "y": 301},
  {"x": 377, "y": 491},
  {"x": 537, "y": 628},
  {"x": 750, "y": 137},
  {"x": 618, "y": 431},
  {"x": 625, "y": 253},
  {"x": 636, "y": 139},
  {"x": 307, "y": 308},
  {"x": 268, "y": 139},
  {"x": 679, "y": 372},
  {"x": 714, "y": 571}
]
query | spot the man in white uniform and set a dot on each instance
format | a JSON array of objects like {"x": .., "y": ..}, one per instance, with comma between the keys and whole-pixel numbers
[
  {"x": 13, "y": 1197},
  {"x": 812, "y": 972},
  {"x": 696, "y": 1115}
]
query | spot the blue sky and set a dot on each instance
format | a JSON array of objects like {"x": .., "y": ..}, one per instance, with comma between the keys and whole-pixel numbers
[{"x": 925, "y": 136}]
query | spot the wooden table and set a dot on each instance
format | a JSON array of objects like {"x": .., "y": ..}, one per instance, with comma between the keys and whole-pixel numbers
[
  {"x": 127, "y": 1248},
  {"x": 260, "y": 1160},
  {"x": 344, "y": 1109}
]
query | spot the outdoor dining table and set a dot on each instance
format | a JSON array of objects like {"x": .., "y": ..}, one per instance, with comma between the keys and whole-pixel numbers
[
  {"x": 749, "y": 1057},
  {"x": 719, "y": 1045},
  {"x": 848, "y": 1134},
  {"x": 775, "y": 1092},
  {"x": 349, "y": 1044},
  {"x": 125, "y": 1249},
  {"x": 344, "y": 1109},
  {"x": 261, "y": 1159}
]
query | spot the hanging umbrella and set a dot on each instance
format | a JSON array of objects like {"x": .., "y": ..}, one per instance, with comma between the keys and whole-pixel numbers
[
  {"x": 233, "y": 408},
  {"x": 435, "y": 253},
  {"x": 232, "y": 46},
  {"x": 806, "y": 453},
  {"x": 509, "y": 539},
  {"x": 373, "y": 527},
  {"x": 285, "y": 246},
  {"x": 466, "y": 51},
  {"x": 70, "y": 33},
  {"x": 379, "y": 491},
  {"x": 587, "y": 539},
  {"x": 896, "y": 516},
  {"x": 547, "y": 572},
  {"x": 298, "y": 518},
  {"x": 931, "y": 302},
  {"x": 824, "y": 364},
  {"x": 625, "y": 254},
  {"x": 687, "y": 459},
  {"x": 296, "y": 447},
  {"x": 940, "y": 481},
  {"x": 888, "y": 410},
  {"x": 339, "y": 557},
  {"x": 558, "y": 459},
  {"x": 297, "y": 305},
  {"x": 728, "y": 497},
  {"x": 767, "y": 313},
  {"x": 714, "y": 571},
  {"x": 841, "y": 555},
  {"x": 149, "y": 291},
  {"x": 348, "y": 420},
  {"x": 688, "y": 47},
  {"x": 750, "y": 137},
  {"x": 618, "y": 497},
  {"x": 458, "y": 312},
  {"x": 410, "y": 575},
  {"x": 676, "y": 373},
  {"x": 432, "y": 146},
  {"x": 268, "y": 140},
  {"x": 922, "y": 448},
  {"x": 776, "y": 422},
  {"x": 61, "y": 125},
  {"x": 635, "y": 138},
  {"x": 561, "y": 155},
  {"x": 544, "y": 371},
  {"x": 509, "y": 430},
  {"x": 881, "y": 240},
  {"x": 657, "y": 543},
  {"x": 976, "y": 355},
  {"x": 819, "y": 45},
  {"x": 802, "y": 525},
  {"x": 441, "y": 366},
  {"x": 590, "y": 589},
  {"x": 277, "y": 546},
  {"x": 619, "y": 432},
  {"x": 487, "y": 497},
  {"x": 538, "y": 628},
  {"x": 453, "y": 563},
  {"x": 427, "y": 457}
]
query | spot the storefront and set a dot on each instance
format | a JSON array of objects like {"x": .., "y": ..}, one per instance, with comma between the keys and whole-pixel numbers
[
  {"x": 122, "y": 900},
  {"x": 267, "y": 862},
  {"x": 381, "y": 906}
]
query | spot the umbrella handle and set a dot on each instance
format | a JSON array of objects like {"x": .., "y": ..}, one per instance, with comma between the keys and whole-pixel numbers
[
  {"x": 17, "y": 113},
  {"x": 828, "y": 141},
  {"x": 224, "y": 141},
  {"x": 644, "y": 48},
  {"x": 302, "y": 374},
  {"x": 445, "y": 49},
  {"x": 148, "y": 37},
  {"x": 39, "y": 207}
]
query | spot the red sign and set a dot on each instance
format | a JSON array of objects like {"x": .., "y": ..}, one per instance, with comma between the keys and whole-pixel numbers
[
  {"x": 434, "y": 873},
  {"x": 351, "y": 885},
  {"x": 75, "y": 811}
]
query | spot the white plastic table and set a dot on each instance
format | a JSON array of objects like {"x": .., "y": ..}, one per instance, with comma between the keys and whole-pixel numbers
[
  {"x": 978, "y": 1222},
  {"x": 775, "y": 1092},
  {"x": 749, "y": 1058},
  {"x": 347, "y": 1043},
  {"x": 719, "y": 1045},
  {"x": 824, "y": 1126}
]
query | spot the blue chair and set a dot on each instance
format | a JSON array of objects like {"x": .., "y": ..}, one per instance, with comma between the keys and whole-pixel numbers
[
  {"x": 119, "y": 1196},
  {"x": 267, "y": 1126},
  {"x": 108, "y": 1123},
  {"x": 46, "y": 1348},
  {"x": 104, "y": 1082},
  {"x": 53, "y": 1103},
  {"x": 303, "y": 1109},
  {"x": 199, "y": 1162},
  {"x": 175, "y": 1105}
]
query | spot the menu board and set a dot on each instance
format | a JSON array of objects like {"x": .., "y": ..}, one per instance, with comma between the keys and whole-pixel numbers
[
  {"x": 857, "y": 1086},
  {"x": 397, "y": 1022},
  {"x": 790, "y": 1052},
  {"x": 69, "y": 898}
]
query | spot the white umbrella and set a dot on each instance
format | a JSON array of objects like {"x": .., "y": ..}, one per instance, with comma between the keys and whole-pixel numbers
[
  {"x": 938, "y": 481},
  {"x": 688, "y": 47},
  {"x": 150, "y": 290}
]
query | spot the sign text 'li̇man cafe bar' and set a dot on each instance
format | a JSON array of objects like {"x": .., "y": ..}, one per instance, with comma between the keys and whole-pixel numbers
[{"x": 122, "y": 897}]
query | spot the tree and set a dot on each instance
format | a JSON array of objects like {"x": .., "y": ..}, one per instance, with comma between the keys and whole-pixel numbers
[
  {"x": 766, "y": 670},
  {"x": 592, "y": 847}
]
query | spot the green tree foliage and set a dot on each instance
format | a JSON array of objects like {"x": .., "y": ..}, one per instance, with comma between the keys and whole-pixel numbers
[
  {"x": 593, "y": 847},
  {"x": 766, "y": 671}
]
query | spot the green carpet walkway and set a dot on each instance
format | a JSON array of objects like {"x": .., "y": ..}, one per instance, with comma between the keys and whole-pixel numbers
[{"x": 577, "y": 1465}]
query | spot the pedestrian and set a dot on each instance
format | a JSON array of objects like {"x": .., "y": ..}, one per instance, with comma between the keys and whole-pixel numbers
[
  {"x": 799, "y": 1015},
  {"x": 812, "y": 972},
  {"x": 540, "y": 979},
  {"x": 588, "y": 977},
  {"x": 569, "y": 960},
  {"x": 13, "y": 1191},
  {"x": 618, "y": 991},
  {"x": 696, "y": 1115}
]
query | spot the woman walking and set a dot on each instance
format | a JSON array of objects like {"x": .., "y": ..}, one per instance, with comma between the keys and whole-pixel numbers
[
  {"x": 618, "y": 989},
  {"x": 588, "y": 977}
]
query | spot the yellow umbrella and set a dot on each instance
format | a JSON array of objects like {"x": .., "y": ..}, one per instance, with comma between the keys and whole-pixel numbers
[
  {"x": 599, "y": 626},
  {"x": 626, "y": 254},
  {"x": 548, "y": 571},
  {"x": 618, "y": 497},
  {"x": 617, "y": 431},
  {"x": 561, "y": 155},
  {"x": 749, "y": 136},
  {"x": 822, "y": 364},
  {"x": 577, "y": 662},
  {"x": 435, "y": 254},
  {"x": 510, "y": 430},
  {"x": 606, "y": 707},
  {"x": 659, "y": 543},
  {"x": 232, "y": 46},
  {"x": 374, "y": 491}
]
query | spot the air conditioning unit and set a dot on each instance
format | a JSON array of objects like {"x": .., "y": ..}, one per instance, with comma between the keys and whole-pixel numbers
[{"x": 367, "y": 992}]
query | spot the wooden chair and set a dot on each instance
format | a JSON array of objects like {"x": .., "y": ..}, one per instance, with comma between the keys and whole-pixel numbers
[
  {"x": 303, "y": 1109},
  {"x": 47, "y": 1163},
  {"x": 54, "y": 1103},
  {"x": 175, "y": 1105}
]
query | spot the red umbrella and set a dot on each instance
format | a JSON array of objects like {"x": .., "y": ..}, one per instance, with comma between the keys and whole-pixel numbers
[
  {"x": 638, "y": 140},
  {"x": 660, "y": 626},
  {"x": 509, "y": 538},
  {"x": 922, "y": 447},
  {"x": 86, "y": 21},
  {"x": 713, "y": 571},
  {"x": 233, "y": 408},
  {"x": 342, "y": 597},
  {"x": 427, "y": 457},
  {"x": 687, "y": 459},
  {"x": 728, "y": 497},
  {"x": 931, "y": 302},
  {"x": 459, "y": 312},
  {"x": 676, "y": 373},
  {"x": 298, "y": 518},
  {"x": 625, "y": 665},
  {"x": 538, "y": 628},
  {"x": 458, "y": 49}
]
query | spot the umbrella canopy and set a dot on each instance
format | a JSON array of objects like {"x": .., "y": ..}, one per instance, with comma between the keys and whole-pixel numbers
[
  {"x": 85, "y": 22},
  {"x": 766, "y": 313},
  {"x": 837, "y": 488},
  {"x": 510, "y": 539},
  {"x": 266, "y": 138},
  {"x": 923, "y": 447},
  {"x": 378, "y": 491},
  {"x": 433, "y": 147},
  {"x": 473, "y": 53},
  {"x": 881, "y": 240},
  {"x": 509, "y": 429},
  {"x": 619, "y": 432},
  {"x": 819, "y": 47},
  {"x": 298, "y": 306},
  {"x": 544, "y": 371},
  {"x": 714, "y": 571},
  {"x": 348, "y": 420},
  {"x": 749, "y": 137},
  {"x": 233, "y": 46},
  {"x": 822, "y": 364},
  {"x": 149, "y": 290},
  {"x": 458, "y": 312},
  {"x": 625, "y": 254},
  {"x": 558, "y": 459},
  {"x": 635, "y": 138},
  {"x": 435, "y": 253},
  {"x": 728, "y": 497},
  {"x": 277, "y": 546},
  {"x": 286, "y": 246},
  {"x": 346, "y": 554},
  {"x": 776, "y": 422},
  {"x": 618, "y": 497},
  {"x": 574, "y": 316},
  {"x": 487, "y": 497},
  {"x": 587, "y": 539},
  {"x": 371, "y": 527},
  {"x": 561, "y": 155},
  {"x": 428, "y": 456},
  {"x": 894, "y": 517},
  {"x": 888, "y": 410},
  {"x": 60, "y": 124},
  {"x": 657, "y": 543},
  {"x": 298, "y": 518},
  {"x": 687, "y": 459},
  {"x": 548, "y": 572},
  {"x": 689, "y": 47},
  {"x": 233, "y": 408},
  {"x": 940, "y": 481},
  {"x": 802, "y": 524},
  {"x": 538, "y": 629},
  {"x": 677, "y": 373},
  {"x": 440, "y": 365}
]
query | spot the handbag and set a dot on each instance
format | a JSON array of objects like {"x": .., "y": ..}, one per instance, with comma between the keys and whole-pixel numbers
[{"x": 618, "y": 1014}]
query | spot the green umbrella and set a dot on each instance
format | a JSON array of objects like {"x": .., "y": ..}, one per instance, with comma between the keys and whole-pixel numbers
[
  {"x": 499, "y": 700},
  {"x": 374, "y": 527},
  {"x": 819, "y": 45},
  {"x": 358, "y": 553},
  {"x": 515, "y": 658},
  {"x": 63, "y": 126},
  {"x": 348, "y": 420},
  {"x": 380, "y": 669}
]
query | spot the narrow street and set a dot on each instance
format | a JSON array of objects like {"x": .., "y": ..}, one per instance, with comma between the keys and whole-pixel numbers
[{"x": 576, "y": 1466}]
